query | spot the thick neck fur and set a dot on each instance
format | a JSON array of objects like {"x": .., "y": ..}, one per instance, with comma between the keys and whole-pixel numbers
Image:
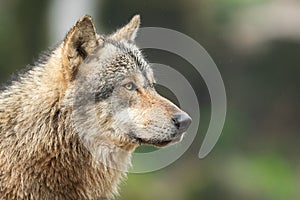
[{"x": 41, "y": 154}]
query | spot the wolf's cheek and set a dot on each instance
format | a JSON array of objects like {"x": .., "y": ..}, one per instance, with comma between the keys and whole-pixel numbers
[{"x": 127, "y": 119}]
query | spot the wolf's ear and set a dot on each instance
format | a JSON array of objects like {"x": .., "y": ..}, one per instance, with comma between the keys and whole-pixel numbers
[
  {"x": 129, "y": 31},
  {"x": 80, "y": 41}
]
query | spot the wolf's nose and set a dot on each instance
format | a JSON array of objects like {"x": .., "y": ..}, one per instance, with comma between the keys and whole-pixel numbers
[{"x": 182, "y": 121}]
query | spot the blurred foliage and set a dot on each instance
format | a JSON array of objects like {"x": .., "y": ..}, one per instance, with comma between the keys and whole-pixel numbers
[
  {"x": 257, "y": 156},
  {"x": 23, "y": 33}
]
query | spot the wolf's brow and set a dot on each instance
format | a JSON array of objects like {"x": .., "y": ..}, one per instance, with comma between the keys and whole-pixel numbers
[{"x": 134, "y": 53}]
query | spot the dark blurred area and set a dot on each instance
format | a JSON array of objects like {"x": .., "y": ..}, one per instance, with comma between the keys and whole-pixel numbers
[{"x": 256, "y": 46}]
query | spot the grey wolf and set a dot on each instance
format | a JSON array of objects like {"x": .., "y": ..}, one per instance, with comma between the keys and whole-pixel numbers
[{"x": 52, "y": 147}]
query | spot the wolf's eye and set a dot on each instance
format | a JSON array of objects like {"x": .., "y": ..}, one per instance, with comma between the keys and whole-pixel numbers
[
  {"x": 152, "y": 85},
  {"x": 130, "y": 86}
]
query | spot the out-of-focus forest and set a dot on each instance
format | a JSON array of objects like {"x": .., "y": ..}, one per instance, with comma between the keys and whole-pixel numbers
[{"x": 256, "y": 46}]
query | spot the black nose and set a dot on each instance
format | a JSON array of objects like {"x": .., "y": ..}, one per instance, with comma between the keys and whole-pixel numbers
[{"x": 182, "y": 121}]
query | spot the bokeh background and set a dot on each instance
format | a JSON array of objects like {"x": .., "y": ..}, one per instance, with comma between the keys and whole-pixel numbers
[{"x": 256, "y": 46}]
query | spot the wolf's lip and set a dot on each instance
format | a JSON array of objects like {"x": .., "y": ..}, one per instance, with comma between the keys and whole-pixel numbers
[
  {"x": 155, "y": 143},
  {"x": 178, "y": 133},
  {"x": 162, "y": 143},
  {"x": 176, "y": 137},
  {"x": 173, "y": 140}
]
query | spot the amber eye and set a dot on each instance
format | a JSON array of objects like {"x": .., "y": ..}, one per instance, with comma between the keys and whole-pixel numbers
[
  {"x": 130, "y": 86},
  {"x": 152, "y": 85}
]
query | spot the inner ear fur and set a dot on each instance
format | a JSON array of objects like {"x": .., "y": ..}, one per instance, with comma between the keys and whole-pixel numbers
[{"x": 80, "y": 42}]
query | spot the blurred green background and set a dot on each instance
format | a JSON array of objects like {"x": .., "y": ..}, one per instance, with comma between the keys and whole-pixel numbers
[{"x": 256, "y": 46}]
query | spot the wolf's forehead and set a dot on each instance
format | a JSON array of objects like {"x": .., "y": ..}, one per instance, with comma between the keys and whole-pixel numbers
[
  {"x": 130, "y": 53},
  {"x": 135, "y": 56},
  {"x": 118, "y": 59}
]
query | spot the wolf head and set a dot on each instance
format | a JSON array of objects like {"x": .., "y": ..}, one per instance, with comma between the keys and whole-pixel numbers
[{"x": 114, "y": 97}]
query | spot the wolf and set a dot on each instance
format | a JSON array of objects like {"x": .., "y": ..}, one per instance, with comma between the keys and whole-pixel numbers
[{"x": 69, "y": 123}]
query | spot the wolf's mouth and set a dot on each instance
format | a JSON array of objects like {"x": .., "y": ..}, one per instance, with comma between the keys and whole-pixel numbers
[{"x": 155, "y": 142}]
